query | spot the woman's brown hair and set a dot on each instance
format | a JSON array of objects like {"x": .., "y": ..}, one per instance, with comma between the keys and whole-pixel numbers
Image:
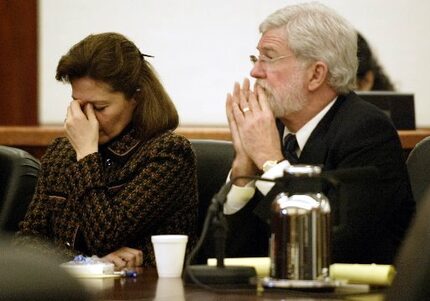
[{"x": 113, "y": 59}]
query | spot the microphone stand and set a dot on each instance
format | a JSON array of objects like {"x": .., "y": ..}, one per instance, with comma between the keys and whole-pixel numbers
[
  {"x": 220, "y": 235},
  {"x": 219, "y": 274}
]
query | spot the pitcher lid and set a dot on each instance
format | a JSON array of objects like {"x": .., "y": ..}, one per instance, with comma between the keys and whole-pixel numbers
[{"x": 303, "y": 170}]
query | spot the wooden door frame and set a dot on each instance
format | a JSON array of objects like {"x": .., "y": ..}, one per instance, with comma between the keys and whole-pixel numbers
[{"x": 19, "y": 62}]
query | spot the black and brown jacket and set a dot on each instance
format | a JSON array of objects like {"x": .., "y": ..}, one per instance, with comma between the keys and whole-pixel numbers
[{"x": 120, "y": 196}]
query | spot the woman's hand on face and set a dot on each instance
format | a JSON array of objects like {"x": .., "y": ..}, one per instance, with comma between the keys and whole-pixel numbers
[
  {"x": 125, "y": 258},
  {"x": 82, "y": 129}
]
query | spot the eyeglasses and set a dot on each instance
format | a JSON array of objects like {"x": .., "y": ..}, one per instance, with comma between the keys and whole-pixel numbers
[{"x": 265, "y": 60}]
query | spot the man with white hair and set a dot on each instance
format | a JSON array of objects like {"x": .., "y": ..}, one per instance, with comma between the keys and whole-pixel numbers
[{"x": 302, "y": 111}]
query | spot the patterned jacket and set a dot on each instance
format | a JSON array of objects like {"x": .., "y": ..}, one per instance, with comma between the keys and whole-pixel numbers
[{"x": 120, "y": 196}]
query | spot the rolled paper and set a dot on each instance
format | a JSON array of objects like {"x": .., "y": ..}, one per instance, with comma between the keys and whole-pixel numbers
[
  {"x": 261, "y": 264},
  {"x": 373, "y": 274}
]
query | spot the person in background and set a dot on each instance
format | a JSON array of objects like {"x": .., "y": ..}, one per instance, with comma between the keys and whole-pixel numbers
[
  {"x": 121, "y": 174},
  {"x": 370, "y": 74},
  {"x": 302, "y": 110}
]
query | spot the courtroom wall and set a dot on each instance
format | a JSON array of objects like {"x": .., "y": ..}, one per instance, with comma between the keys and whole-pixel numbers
[{"x": 202, "y": 46}]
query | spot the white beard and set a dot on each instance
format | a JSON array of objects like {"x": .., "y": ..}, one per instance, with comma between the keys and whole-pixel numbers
[{"x": 285, "y": 100}]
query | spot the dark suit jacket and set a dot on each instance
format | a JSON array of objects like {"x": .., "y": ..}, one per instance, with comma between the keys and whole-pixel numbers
[{"x": 369, "y": 218}]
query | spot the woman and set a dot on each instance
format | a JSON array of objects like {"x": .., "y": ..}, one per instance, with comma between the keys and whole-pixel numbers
[
  {"x": 370, "y": 74},
  {"x": 121, "y": 175}
]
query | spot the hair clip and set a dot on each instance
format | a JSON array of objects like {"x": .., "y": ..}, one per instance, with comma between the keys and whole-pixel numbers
[{"x": 143, "y": 55}]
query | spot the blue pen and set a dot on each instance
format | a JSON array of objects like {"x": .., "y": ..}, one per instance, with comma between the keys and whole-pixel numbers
[{"x": 126, "y": 274}]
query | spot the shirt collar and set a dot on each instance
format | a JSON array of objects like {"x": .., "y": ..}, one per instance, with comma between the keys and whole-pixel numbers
[{"x": 302, "y": 135}]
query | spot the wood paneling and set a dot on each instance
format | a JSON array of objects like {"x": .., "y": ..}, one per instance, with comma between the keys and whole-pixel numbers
[
  {"x": 35, "y": 139},
  {"x": 18, "y": 62}
]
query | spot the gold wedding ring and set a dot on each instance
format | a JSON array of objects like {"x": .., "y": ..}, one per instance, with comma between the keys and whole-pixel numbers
[{"x": 246, "y": 109}]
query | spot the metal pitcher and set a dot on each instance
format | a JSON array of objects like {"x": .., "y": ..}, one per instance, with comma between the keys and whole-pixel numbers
[{"x": 300, "y": 240}]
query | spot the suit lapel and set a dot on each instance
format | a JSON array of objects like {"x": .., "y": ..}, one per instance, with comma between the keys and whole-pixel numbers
[{"x": 316, "y": 148}]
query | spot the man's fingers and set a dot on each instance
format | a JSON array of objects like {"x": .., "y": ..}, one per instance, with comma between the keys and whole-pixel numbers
[
  {"x": 244, "y": 105},
  {"x": 238, "y": 114},
  {"x": 236, "y": 92},
  {"x": 246, "y": 84},
  {"x": 229, "y": 106},
  {"x": 262, "y": 99},
  {"x": 253, "y": 103}
]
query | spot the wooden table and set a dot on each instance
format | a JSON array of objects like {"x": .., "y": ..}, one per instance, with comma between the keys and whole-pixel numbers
[{"x": 147, "y": 286}]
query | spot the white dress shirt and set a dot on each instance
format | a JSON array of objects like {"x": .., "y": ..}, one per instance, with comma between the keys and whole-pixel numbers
[{"x": 239, "y": 196}]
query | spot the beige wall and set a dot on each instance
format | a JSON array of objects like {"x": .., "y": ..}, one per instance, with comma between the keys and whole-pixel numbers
[{"x": 201, "y": 46}]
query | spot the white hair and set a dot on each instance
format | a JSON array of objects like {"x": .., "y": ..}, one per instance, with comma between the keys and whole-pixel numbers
[{"x": 315, "y": 32}]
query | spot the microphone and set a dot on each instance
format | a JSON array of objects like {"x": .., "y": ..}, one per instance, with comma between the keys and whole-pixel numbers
[{"x": 221, "y": 196}]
